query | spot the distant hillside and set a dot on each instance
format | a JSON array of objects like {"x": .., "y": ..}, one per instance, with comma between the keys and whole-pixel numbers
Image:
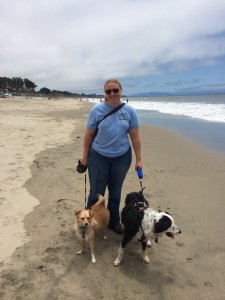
[{"x": 18, "y": 86}]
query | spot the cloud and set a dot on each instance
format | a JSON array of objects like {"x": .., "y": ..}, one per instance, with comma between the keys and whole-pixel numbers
[{"x": 77, "y": 44}]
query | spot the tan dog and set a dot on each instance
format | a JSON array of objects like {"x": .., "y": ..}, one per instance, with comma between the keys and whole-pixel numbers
[{"x": 90, "y": 221}]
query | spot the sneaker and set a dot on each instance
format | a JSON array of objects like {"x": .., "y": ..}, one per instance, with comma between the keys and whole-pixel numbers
[{"x": 118, "y": 228}]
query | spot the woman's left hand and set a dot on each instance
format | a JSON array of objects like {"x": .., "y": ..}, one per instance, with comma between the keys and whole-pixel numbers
[{"x": 138, "y": 165}]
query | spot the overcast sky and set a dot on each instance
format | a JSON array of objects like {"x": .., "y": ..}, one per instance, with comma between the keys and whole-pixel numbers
[{"x": 149, "y": 45}]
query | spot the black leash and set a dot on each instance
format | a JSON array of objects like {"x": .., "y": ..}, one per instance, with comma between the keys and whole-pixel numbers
[
  {"x": 82, "y": 169},
  {"x": 141, "y": 176},
  {"x": 85, "y": 190}
]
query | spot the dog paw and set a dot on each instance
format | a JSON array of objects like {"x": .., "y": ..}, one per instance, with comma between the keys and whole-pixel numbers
[
  {"x": 148, "y": 244},
  {"x": 80, "y": 252},
  {"x": 105, "y": 237},
  {"x": 93, "y": 260},
  {"x": 117, "y": 262},
  {"x": 146, "y": 259}
]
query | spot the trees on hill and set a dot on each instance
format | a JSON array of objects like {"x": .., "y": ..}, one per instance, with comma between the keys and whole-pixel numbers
[
  {"x": 16, "y": 84},
  {"x": 19, "y": 86},
  {"x": 45, "y": 91},
  {"x": 29, "y": 84}
]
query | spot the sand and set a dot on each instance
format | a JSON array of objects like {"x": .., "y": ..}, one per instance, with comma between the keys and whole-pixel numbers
[{"x": 41, "y": 141}]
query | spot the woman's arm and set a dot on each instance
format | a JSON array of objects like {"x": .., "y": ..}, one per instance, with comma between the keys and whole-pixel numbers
[
  {"x": 136, "y": 143},
  {"x": 88, "y": 136}
]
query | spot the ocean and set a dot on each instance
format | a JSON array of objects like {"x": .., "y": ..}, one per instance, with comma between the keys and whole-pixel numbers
[{"x": 200, "y": 118}]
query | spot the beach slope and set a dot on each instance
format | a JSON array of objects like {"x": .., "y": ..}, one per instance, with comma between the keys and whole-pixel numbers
[{"x": 183, "y": 178}]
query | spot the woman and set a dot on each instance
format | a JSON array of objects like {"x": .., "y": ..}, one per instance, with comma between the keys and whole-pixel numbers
[{"x": 108, "y": 156}]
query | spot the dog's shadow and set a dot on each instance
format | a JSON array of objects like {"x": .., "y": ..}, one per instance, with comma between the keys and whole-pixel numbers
[
  {"x": 154, "y": 277},
  {"x": 157, "y": 274},
  {"x": 133, "y": 274}
]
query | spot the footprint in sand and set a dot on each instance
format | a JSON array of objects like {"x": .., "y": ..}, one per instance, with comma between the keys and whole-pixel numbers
[
  {"x": 207, "y": 283},
  {"x": 189, "y": 259},
  {"x": 180, "y": 244}
]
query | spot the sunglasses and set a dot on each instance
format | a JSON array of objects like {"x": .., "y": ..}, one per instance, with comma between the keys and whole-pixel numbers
[{"x": 115, "y": 91}]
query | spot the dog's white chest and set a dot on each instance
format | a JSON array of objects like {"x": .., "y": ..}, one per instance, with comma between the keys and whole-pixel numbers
[
  {"x": 82, "y": 232},
  {"x": 147, "y": 224}
]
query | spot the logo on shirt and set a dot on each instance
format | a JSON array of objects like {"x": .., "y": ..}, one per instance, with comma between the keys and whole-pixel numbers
[{"x": 123, "y": 116}]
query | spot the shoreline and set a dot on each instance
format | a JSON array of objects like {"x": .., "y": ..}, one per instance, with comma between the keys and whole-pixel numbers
[
  {"x": 181, "y": 177},
  {"x": 208, "y": 134}
]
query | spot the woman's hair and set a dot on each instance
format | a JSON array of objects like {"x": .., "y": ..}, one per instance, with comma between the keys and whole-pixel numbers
[{"x": 115, "y": 81}]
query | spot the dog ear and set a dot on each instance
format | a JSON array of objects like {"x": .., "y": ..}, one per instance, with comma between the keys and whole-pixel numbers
[
  {"x": 77, "y": 211},
  {"x": 163, "y": 224},
  {"x": 90, "y": 213},
  {"x": 129, "y": 198}
]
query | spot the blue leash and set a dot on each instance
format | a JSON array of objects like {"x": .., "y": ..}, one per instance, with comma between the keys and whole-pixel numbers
[{"x": 140, "y": 176}]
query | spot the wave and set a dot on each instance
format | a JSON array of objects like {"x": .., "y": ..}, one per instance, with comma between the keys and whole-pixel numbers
[
  {"x": 204, "y": 111},
  {"x": 213, "y": 112}
]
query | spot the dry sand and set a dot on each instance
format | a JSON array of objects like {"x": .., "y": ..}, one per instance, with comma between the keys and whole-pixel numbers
[{"x": 41, "y": 141}]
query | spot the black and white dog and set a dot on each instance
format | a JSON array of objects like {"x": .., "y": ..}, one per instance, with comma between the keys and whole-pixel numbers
[{"x": 145, "y": 223}]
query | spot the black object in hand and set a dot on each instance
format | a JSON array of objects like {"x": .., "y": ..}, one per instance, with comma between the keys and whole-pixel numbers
[{"x": 81, "y": 168}]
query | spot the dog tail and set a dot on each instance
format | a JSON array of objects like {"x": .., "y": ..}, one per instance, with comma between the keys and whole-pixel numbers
[{"x": 100, "y": 202}]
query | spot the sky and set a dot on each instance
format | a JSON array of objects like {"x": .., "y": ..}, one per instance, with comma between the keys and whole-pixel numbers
[{"x": 167, "y": 46}]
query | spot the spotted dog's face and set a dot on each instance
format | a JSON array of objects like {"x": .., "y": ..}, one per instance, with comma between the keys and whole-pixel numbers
[{"x": 164, "y": 223}]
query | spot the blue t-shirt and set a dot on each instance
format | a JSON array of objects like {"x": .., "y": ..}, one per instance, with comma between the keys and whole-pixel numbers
[{"x": 112, "y": 139}]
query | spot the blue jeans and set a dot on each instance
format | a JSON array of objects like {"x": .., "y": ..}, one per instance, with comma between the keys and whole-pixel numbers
[{"x": 108, "y": 172}]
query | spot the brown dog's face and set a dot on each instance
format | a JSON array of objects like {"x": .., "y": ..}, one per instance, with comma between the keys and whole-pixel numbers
[{"x": 83, "y": 217}]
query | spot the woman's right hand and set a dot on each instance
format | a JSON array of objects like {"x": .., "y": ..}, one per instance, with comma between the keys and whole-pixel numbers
[
  {"x": 81, "y": 168},
  {"x": 83, "y": 162}
]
